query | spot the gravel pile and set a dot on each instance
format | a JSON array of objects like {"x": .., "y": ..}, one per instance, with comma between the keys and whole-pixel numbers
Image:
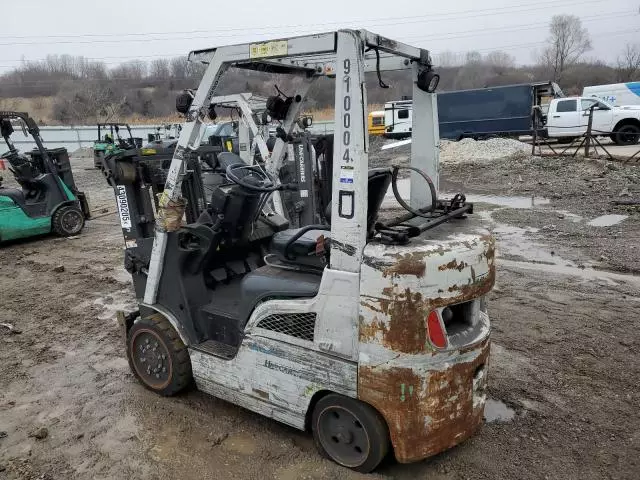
[
  {"x": 469, "y": 150},
  {"x": 464, "y": 151}
]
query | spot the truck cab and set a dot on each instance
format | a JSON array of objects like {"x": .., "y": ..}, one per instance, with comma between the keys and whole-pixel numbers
[{"x": 569, "y": 117}]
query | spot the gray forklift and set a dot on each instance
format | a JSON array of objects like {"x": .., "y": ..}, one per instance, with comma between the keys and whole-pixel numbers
[{"x": 370, "y": 333}]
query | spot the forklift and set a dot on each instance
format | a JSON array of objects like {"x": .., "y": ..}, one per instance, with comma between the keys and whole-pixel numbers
[
  {"x": 370, "y": 332},
  {"x": 112, "y": 142},
  {"x": 48, "y": 200}
]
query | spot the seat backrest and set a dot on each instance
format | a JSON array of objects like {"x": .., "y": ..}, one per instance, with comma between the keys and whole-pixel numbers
[{"x": 379, "y": 181}]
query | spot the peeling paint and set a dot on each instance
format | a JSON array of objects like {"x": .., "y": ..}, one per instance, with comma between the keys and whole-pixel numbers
[
  {"x": 349, "y": 250},
  {"x": 369, "y": 331},
  {"x": 443, "y": 402},
  {"x": 261, "y": 393},
  {"x": 453, "y": 265},
  {"x": 406, "y": 330},
  {"x": 431, "y": 399},
  {"x": 409, "y": 264}
]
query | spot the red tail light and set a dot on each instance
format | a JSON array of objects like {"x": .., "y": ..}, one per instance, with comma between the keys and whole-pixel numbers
[{"x": 437, "y": 335}]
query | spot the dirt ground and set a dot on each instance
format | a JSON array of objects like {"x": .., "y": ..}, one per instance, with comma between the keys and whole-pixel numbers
[{"x": 564, "y": 355}]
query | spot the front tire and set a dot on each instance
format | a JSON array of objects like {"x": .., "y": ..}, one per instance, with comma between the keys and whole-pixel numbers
[
  {"x": 627, "y": 135},
  {"x": 67, "y": 221},
  {"x": 350, "y": 432},
  {"x": 157, "y": 356}
]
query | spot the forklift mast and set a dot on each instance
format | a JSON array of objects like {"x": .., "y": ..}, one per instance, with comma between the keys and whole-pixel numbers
[{"x": 345, "y": 55}]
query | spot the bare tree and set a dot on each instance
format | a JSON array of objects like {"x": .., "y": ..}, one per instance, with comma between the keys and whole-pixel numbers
[
  {"x": 91, "y": 102},
  {"x": 567, "y": 42},
  {"x": 447, "y": 59},
  {"x": 628, "y": 68},
  {"x": 501, "y": 62},
  {"x": 131, "y": 70},
  {"x": 179, "y": 66},
  {"x": 473, "y": 58},
  {"x": 159, "y": 68}
]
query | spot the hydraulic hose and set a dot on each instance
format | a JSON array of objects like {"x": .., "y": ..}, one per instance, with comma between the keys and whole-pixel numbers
[{"x": 394, "y": 185}]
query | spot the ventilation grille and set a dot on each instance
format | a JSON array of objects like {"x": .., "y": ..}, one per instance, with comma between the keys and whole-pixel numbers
[{"x": 299, "y": 325}]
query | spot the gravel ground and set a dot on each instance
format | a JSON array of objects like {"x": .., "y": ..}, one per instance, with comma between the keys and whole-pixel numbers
[
  {"x": 464, "y": 151},
  {"x": 565, "y": 337}
]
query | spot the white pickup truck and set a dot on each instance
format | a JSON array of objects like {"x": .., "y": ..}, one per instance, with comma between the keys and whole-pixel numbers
[{"x": 568, "y": 118}]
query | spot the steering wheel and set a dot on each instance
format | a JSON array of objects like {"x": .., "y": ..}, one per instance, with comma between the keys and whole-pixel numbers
[{"x": 251, "y": 177}]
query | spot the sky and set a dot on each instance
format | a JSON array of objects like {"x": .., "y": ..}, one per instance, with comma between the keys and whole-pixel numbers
[{"x": 114, "y": 31}]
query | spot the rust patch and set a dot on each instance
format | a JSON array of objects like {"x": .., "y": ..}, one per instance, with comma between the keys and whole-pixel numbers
[
  {"x": 408, "y": 264},
  {"x": 368, "y": 331},
  {"x": 453, "y": 265},
  {"x": 370, "y": 305},
  {"x": 477, "y": 288},
  {"x": 406, "y": 330},
  {"x": 427, "y": 411}
]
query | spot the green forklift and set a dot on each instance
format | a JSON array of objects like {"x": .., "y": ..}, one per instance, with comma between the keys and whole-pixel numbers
[
  {"x": 48, "y": 199},
  {"x": 110, "y": 141}
]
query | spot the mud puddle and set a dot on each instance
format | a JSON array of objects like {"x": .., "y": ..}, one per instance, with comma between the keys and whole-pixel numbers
[
  {"x": 497, "y": 411},
  {"x": 517, "y": 250},
  {"x": 607, "y": 220},
  {"x": 583, "y": 273}
]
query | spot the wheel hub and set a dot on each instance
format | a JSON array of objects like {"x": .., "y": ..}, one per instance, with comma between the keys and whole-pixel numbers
[
  {"x": 71, "y": 221},
  {"x": 343, "y": 436},
  {"x": 151, "y": 359}
]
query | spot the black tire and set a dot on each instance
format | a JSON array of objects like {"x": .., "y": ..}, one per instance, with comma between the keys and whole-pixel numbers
[
  {"x": 565, "y": 140},
  {"x": 628, "y": 134},
  {"x": 67, "y": 221},
  {"x": 157, "y": 356},
  {"x": 349, "y": 432}
]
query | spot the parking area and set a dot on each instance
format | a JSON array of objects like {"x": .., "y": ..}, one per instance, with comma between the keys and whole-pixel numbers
[{"x": 564, "y": 377}]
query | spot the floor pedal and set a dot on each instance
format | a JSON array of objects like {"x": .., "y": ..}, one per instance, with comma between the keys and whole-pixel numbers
[{"x": 217, "y": 349}]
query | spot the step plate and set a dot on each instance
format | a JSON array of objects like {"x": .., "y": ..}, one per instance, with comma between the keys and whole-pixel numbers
[{"x": 218, "y": 349}]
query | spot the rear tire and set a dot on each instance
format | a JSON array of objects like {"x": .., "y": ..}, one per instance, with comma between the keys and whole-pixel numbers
[
  {"x": 628, "y": 134},
  {"x": 349, "y": 432},
  {"x": 67, "y": 221},
  {"x": 157, "y": 356}
]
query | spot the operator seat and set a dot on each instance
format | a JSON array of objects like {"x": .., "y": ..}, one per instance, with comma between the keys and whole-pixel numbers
[
  {"x": 303, "y": 249},
  {"x": 14, "y": 194},
  {"x": 301, "y": 259}
]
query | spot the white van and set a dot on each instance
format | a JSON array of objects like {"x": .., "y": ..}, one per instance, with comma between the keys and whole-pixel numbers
[{"x": 617, "y": 94}]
